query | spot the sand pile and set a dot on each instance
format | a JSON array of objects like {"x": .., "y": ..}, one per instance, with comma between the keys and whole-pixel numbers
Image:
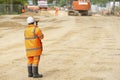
[
  {"x": 20, "y": 17},
  {"x": 1, "y": 17},
  {"x": 10, "y": 24},
  {"x": 31, "y": 14},
  {"x": 45, "y": 13},
  {"x": 40, "y": 13}
]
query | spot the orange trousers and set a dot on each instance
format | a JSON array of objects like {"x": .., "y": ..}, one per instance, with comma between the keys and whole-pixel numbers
[
  {"x": 33, "y": 60},
  {"x": 56, "y": 13}
]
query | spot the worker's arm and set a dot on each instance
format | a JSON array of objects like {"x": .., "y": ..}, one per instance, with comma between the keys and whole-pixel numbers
[{"x": 39, "y": 33}]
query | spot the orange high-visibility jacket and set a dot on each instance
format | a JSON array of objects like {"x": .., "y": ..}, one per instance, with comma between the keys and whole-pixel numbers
[
  {"x": 57, "y": 9},
  {"x": 23, "y": 11},
  {"x": 33, "y": 44}
]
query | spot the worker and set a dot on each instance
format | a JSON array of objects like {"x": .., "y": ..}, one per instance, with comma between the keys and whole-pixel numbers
[
  {"x": 33, "y": 44},
  {"x": 23, "y": 10},
  {"x": 56, "y": 11}
]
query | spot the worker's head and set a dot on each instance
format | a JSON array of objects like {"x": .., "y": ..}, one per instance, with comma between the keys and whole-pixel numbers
[{"x": 30, "y": 20}]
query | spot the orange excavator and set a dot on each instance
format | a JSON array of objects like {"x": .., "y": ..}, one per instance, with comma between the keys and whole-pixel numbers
[{"x": 79, "y": 7}]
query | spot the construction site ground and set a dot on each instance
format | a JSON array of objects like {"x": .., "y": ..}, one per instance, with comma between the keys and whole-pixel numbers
[{"x": 75, "y": 47}]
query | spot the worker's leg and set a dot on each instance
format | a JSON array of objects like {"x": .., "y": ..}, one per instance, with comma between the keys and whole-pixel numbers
[
  {"x": 36, "y": 60},
  {"x": 56, "y": 13},
  {"x": 35, "y": 67},
  {"x": 30, "y": 61}
]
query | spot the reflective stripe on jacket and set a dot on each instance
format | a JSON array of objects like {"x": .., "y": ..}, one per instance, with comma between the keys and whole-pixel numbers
[{"x": 33, "y": 44}]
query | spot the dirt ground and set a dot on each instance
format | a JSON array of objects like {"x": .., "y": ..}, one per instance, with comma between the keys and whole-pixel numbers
[{"x": 75, "y": 48}]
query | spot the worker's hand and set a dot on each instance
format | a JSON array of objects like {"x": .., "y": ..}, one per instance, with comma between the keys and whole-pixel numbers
[
  {"x": 42, "y": 36},
  {"x": 36, "y": 20}
]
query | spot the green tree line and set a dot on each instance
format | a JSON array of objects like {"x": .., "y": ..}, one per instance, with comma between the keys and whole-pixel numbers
[
  {"x": 58, "y": 2},
  {"x": 102, "y": 1},
  {"x": 13, "y": 1},
  {"x": 64, "y": 2}
]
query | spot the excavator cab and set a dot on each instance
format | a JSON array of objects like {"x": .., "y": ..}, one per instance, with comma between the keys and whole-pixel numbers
[{"x": 79, "y": 7}]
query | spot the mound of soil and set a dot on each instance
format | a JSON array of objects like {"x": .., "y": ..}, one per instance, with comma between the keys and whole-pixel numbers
[
  {"x": 40, "y": 13},
  {"x": 20, "y": 17},
  {"x": 10, "y": 24}
]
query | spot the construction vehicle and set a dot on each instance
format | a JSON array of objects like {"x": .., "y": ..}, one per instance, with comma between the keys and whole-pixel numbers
[
  {"x": 43, "y": 4},
  {"x": 33, "y": 8},
  {"x": 79, "y": 7}
]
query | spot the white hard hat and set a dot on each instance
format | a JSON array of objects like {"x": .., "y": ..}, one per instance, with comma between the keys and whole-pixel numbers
[{"x": 30, "y": 20}]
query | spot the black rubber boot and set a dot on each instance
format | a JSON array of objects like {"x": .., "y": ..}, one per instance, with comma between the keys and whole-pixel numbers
[
  {"x": 35, "y": 72},
  {"x": 30, "y": 74}
]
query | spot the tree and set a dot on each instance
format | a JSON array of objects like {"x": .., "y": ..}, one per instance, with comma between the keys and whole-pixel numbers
[
  {"x": 99, "y": 1},
  {"x": 50, "y": 1},
  {"x": 58, "y": 2},
  {"x": 2, "y": 1},
  {"x": 8, "y": 6},
  {"x": 113, "y": 8},
  {"x": 11, "y": 6},
  {"x": 13, "y": 1}
]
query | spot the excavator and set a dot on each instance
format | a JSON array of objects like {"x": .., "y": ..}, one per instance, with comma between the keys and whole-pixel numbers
[{"x": 79, "y": 7}]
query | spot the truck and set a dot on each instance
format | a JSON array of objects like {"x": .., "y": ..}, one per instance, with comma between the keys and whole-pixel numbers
[
  {"x": 79, "y": 7},
  {"x": 43, "y": 4},
  {"x": 33, "y": 8}
]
